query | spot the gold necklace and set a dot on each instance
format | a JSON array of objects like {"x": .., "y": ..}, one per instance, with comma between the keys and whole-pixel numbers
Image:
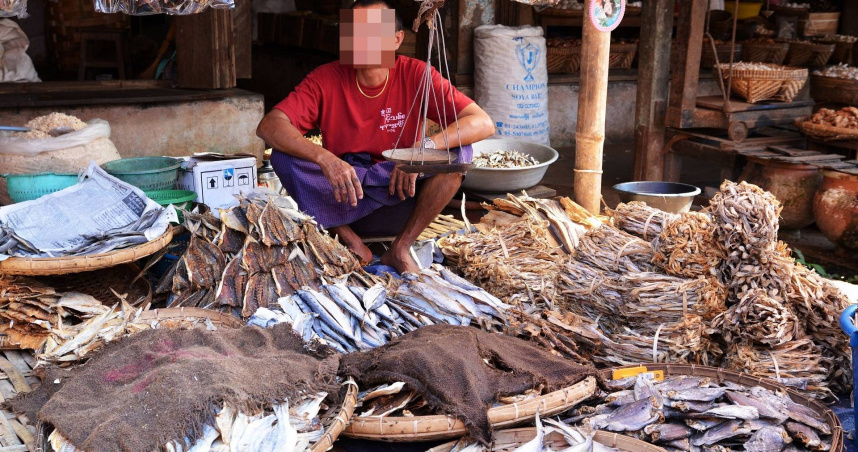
[{"x": 386, "y": 78}]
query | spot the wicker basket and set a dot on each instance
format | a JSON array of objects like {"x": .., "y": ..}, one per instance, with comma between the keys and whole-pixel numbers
[
  {"x": 101, "y": 284},
  {"x": 722, "y": 375},
  {"x": 440, "y": 427},
  {"x": 809, "y": 54},
  {"x": 754, "y": 86},
  {"x": 786, "y": 11},
  {"x": 622, "y": 55},
  {"x": 558, "y": 59},
  {"x": 707, "y": 56},
  {"x": 823, "y": 132},
  {"x": 819, "y": 24},
  {"x": 833, "y": 89},
  {"x": 518, "y": 436},
  {"x": 78, "y": 264},
  {"x": 188, "y": 317},
  {"x": 334, "y": 421},
  {"x": 758, "y": 52},
  {"x": 842, "y": 49}
]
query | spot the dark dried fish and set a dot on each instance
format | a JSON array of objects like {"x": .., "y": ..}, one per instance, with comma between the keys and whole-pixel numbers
[
  {"x": 204, "y": 263},
  {"x": 275, "y": 228}
]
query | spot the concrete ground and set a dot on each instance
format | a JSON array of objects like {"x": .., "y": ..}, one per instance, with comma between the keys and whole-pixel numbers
[{"x": 617, "y": 164}]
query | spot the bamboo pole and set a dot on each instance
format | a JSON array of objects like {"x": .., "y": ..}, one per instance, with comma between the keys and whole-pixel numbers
[{"x": 592, "y": 104}]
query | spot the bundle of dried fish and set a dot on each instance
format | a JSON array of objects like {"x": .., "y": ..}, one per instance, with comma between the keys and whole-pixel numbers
[
  {"x": 654, "y": 298},
  {"x": 687, "y": 247},
  {"x": 684, "y": 341},
  {"x": 693, "y": 413},
  {"x": 504, "y": 159},
  {"x": 589, "y": 291},
  {"x": 350, "y": 318},
  {"x": 564, "y": 334},
  {"x": 746, "y": 219},
  {"x": 611, "y": 249},
  {"x": 758, "y": 319},
  {"x": 567, "y": 221},
  {"x": 26, "y": 313},
  {"x": 799, "y": 363},
  {"x": 557, "y": 436},
  {"x": 517, "y": 261},
  {"x": 641, "y": 220},
  {"x": 283, "y": 427}
]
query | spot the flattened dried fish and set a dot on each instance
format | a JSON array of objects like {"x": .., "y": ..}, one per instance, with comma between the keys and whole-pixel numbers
[
  {"x": 275, "y": 228},
  {"x": 725, "y": 430},
  {"x": 804, "y": 435},
  {"x": 204, "y": 262},
  {"x": 697, "y": 394},
  {"x": 633, "y": 416},
  {"x": 259, "y": 293},
  {"x": 768, "y": 439},
  {"x": 230, "y": 240},
  {"x": 665, "y": 433},
  {"x": 230, "y": 289}
]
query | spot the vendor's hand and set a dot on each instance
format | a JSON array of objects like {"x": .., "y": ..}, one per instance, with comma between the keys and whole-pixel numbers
[
  {"x": 343, "y": 179},
  {"x": 402, "y": 183}
]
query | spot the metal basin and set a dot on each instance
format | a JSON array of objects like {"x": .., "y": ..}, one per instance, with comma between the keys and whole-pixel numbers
[
  {"x": 505, "y": 180},
  {"x": 667, "y": 196}
]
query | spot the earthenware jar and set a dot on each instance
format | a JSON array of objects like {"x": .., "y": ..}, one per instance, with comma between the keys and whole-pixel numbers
[
  {"x": 793, "y": 184},
  {"x": 835, "y": 207}
]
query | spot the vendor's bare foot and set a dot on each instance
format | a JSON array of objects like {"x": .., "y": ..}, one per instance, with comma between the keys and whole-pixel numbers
[
  {"x": 353, "y": 242},
  {"x": 401, "y": 260},
  {"x": 361, "y": 250}
]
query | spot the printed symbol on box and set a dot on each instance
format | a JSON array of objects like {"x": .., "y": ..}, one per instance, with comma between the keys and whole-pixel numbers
[
  {"x": 229, "y": 177},
  {"x": 243, "y": 179},
  {"x": 211, "y": 182}
]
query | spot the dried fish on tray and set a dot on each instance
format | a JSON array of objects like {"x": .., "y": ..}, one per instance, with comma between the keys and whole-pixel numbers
[
  {"x": 759, "y": 319},
  {"x": 641, "y": 220},
  {"x": 799, "y": 364},
  {"x": 687, "y": 246},
  {"x": 611, "y": 249},
  {"x": 692, "y": 412},
  {"x": 504, "y": 159}
]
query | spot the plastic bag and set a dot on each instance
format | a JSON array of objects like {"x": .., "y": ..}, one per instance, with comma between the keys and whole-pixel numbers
[
  {"x": 13, "y": 8},
  {"x": 94, "y": 130}
]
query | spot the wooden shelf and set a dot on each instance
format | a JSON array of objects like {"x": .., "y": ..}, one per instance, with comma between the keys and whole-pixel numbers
[{"x": 553, "y": 17}]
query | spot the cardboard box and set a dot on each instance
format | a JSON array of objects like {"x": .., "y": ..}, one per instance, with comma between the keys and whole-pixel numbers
[{"x": 216, "y": 178}]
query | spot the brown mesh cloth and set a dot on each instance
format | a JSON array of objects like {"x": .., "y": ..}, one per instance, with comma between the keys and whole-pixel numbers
[
  {"x": 161, "y": 385},
  {"x": 461, "y": 371}
]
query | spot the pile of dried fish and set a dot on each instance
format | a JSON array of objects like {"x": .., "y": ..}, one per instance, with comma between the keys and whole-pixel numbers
[
  {"x": 351, "y": 318},
  {"x": 685, "y": 413},
  {"x": 591, "y": 292},
  {"x": 746, "y": 219},
  {"x": 611, "y": 249},
  {"x": 758, "y": 319},
  {"x": 283, "y": 427},
  {"x": 557, "y": 436},
  {"x": 504, "y": 159},
  {"x": 641, "y": 220},
  {"x": 687, "y": 247},
  {"x": 126, "y": 236},
  {"x": 799, "y": 364},
  {"x": 257, "y": 252}
]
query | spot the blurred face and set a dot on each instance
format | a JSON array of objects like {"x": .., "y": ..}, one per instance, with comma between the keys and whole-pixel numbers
[{"x": 368, "y": 37}]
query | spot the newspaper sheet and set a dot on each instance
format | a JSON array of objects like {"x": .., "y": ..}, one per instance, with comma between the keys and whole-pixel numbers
[{"x": 99, "y": 202}]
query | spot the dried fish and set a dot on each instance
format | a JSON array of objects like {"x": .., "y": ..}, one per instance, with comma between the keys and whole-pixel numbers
[
  {"x": 746, "y": 217},
  {"x": 641, "y": 220},
  {"x": 758, "y": 319},
  {"x": 610, "y": 249},
  {"x": 687, "y": 246},
  {"x": 504, "y": 159}
]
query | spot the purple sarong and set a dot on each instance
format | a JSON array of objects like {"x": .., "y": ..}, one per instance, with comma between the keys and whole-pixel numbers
[{"x": 306, "y": 183}]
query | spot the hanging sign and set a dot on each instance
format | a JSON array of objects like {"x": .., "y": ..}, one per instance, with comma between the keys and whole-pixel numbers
[{"x": 606, "y": 15}]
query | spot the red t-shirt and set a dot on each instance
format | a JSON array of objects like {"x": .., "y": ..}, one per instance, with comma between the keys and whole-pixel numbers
[{"x": 351, "y": 122}]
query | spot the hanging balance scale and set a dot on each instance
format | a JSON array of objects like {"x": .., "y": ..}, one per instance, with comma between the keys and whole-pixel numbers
[{"x": 421, "y": 159}]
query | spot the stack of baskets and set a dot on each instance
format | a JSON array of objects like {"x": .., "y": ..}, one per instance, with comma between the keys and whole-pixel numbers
[
  {"x": 622, "y": 54},
  {"x": 834, "y": 89},
  {"x": 808, "y": 54},
  {"x": 764, "y": 51},
  {"x": 722, "y": 51},
  {"x": 564, "y": 56},
  {"x": 843, "y": 46},
  {"x": 759, "y": 81}
]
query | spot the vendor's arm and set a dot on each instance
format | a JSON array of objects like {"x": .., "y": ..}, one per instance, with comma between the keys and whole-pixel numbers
[
  {"x": 474, "y": 125},
  {"x": 277, "y": 130}
]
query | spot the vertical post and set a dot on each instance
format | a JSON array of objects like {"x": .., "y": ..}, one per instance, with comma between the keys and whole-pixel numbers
[
  {"x": 653, "y": 83},
  {"x": 205, "y": 50},
  {"x": 592, "y": 105},
  {"x": 685, "y": 65}
]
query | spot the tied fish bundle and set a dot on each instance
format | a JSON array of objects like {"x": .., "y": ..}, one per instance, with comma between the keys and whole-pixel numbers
[
  {"x": 285, "y": 426},
  {"x": 758, "y": 319},
  {"x": 746, "y": 219},
  {"x": 556, "y": 436},
  {"x": 641, "y": 220},
  {"x": 652, "y": 298},
  {"x": 590, "y": 291},
  {"x": 684, "y": 341},
  {"x": 689, "y": 413},
  {"x": 799, "y": 363},
  {"x": 611, "y": 249},
  {"x": 564, "y": 334},
  {"x": 255, "y": 253},
  {"x": 687, "y": 247},
  {"x": 350, "y": 318}
]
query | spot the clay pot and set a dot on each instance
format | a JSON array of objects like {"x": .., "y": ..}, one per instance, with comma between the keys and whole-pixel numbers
[
  {"x": 835, "y": 207},
  {"x": 793, "y": 185}
]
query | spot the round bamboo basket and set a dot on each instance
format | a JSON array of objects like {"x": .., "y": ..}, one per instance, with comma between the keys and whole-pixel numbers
[
  {"x": 843, "y": 49},
  {"x": 334, "y": 422},
  {"x": 783, "y": 83},
  {"x": 722, "y": 375},
  {"x": 101, "y": 284},
  {"x": 765, "y": 53},
  {"x": 823, "y": 132},
  {"x": 833, "y": 89},
  {"x": 513, "y": 438},
  {"x": 77, "y": 264},
  {"x": 188, "y": 317},
  {"x": 809, "y": 54},
  {"x": 440, "y": 427}
]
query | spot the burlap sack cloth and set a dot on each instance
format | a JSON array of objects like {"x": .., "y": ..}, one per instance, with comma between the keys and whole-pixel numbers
[
  {"x": 461, "y": 371},
  {"x": 162, "y": 385}
]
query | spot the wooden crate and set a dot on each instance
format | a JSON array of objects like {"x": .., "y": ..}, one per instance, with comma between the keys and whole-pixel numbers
[
  {"x": 16, "y": 375},
  {"x": 819, "y": 24},
  {"x": 65, "y": 20}
]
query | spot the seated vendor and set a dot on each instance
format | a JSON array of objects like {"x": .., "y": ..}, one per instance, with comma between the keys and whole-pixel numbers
[{"x": 360, "y": 104}]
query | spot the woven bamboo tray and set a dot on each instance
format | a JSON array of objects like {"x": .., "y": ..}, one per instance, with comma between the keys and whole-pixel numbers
[
  {"x": 622, "y": 55},
  {"x": 722, "y": 375},
  {"x": 101, "y": 284},
  {"x": 334, "y": 422},
  {"x": 754, "y": 85},
  {"x": 518, "y": 436},
  {"x": 823, "y": 132},
  {"x": 842, "y": 49},
  {"x": 765, "y": 53},
  {"x": 809, "y": 54},
  {"x": 78, "y": 264},
  {"x": 833, "y": 89},
  {"x": 439, "y": 427},
  {"x": 188, "y": 317}
]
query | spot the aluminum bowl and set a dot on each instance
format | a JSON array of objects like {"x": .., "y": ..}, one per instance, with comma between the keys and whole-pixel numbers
[
  {"x": 506, "y": 180},
  {"x": 668, "y": 196}
]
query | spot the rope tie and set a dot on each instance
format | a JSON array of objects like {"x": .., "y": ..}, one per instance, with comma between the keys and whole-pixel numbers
[
  {"x": 655, "y": 344},
  {"x": 646, "y": 224}
]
